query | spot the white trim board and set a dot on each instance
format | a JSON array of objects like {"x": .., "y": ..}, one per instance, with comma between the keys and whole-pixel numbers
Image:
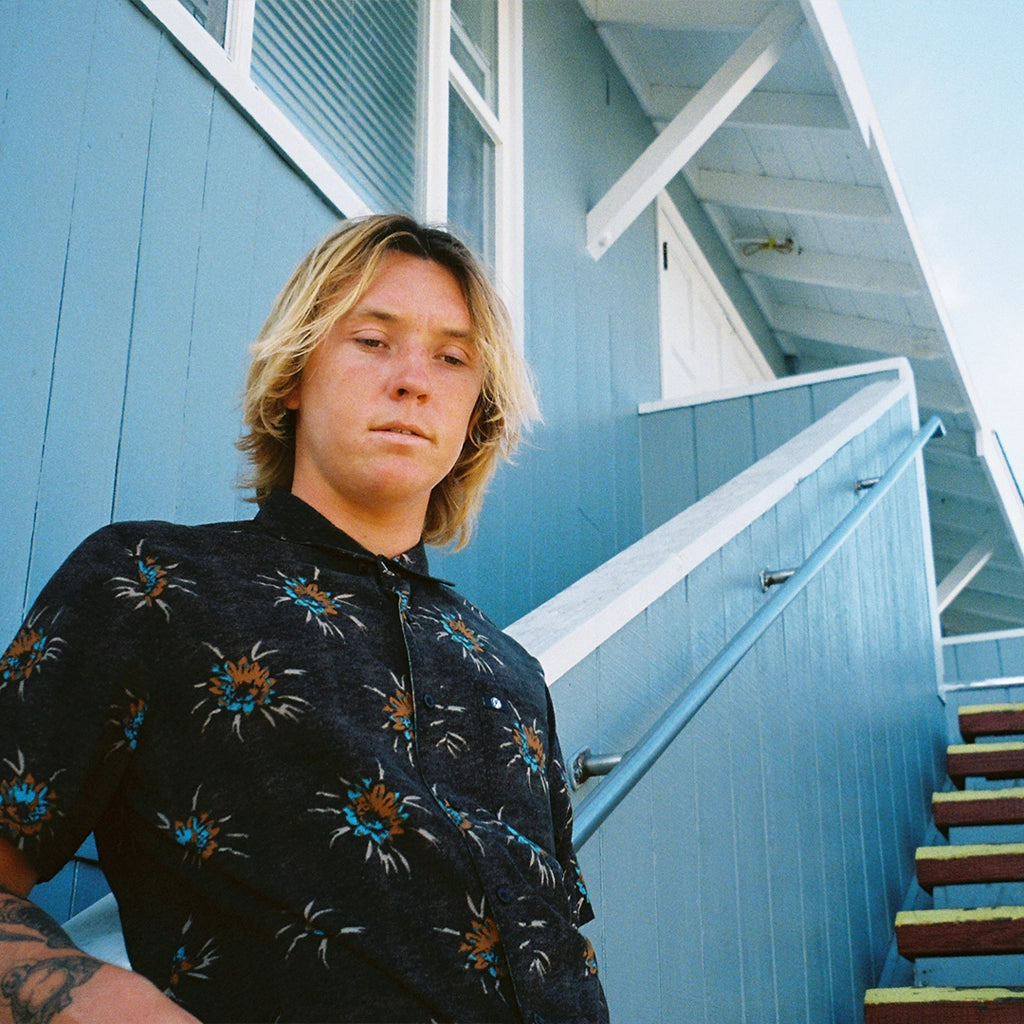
[
  {"x": 974, "y": 638},
  {"x": 899, "y": 365},
  {"x": 574, "y": 623}
]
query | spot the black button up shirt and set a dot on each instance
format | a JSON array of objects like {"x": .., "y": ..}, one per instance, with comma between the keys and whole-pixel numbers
[{"x": 324, "y": 787}]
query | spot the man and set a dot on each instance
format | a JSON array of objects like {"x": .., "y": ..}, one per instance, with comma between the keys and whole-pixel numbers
[{"x": 323, "y": 785}]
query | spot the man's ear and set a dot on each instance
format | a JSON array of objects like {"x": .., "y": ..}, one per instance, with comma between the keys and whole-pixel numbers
[{"x": 294, "y": 397}]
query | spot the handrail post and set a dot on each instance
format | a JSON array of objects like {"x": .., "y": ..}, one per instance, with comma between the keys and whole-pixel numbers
[{"x": 636, "y": 762}]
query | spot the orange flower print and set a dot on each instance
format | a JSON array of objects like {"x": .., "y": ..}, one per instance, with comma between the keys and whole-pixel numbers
[
  {"x": 474, "y": 646},
  {"x": 128, "y": 721},
  {"x": 29, "y": 651},
  {"x": 244, "y": 688},
  {"x": 311, "y": 927},
  {"x": 482, "y": 946},
  {"x": 189, "y": 962},
  {"x": 200, "y": 833},
  {"x": 370, "y": 810},
  {"x": 399, "y": 714},
  {"x": 150, "y": 583},
  {"x": 399, "y": 710},
  {"x": 308, "y": 595},
  {"x": 527, "y": 749},
  {"x": 26, "y": 806}
]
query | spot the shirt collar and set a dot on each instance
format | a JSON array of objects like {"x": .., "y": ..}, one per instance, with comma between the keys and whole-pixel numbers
[{"x": 284, "y": 515}]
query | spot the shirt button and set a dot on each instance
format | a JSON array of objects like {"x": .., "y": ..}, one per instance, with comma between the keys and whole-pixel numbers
[
  {"x": 504, "y": 894},
  {"x": 495, "y": 703},
  {"x": 428, "y": 701},
  {"x": 537, "y": 1019}
]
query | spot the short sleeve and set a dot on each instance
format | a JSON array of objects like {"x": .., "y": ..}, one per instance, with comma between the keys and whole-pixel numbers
[{"x": 72, "y": 699}]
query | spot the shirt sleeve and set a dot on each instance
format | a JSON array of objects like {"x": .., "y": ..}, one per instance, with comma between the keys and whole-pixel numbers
[{"x": 71, "y": 703}]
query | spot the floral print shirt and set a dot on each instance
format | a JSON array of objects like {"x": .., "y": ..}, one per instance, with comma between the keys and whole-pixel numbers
[{"x": 324, "y": 786}]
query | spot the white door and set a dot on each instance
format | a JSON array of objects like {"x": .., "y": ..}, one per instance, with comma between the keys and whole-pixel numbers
[{"x": 705, "y": 346}]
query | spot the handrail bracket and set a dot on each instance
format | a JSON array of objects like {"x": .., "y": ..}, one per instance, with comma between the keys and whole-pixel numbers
[{"x": 588, "y": 765}]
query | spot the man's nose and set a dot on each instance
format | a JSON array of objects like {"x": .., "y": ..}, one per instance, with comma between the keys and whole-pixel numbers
[{"x": 411, "y": 373}]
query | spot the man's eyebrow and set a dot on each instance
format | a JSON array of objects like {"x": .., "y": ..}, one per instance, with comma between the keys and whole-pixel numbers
[{"x": 388, "y": 317}]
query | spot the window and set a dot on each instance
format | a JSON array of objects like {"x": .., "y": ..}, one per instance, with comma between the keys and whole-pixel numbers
[
  {"x": 411, "y": 105},
  {"x": 348, "y": 74}
]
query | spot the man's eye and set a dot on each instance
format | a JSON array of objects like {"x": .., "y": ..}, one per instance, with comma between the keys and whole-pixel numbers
[
  {"x": 369, "y": 342},
  {"x": 453, "y": 360}
]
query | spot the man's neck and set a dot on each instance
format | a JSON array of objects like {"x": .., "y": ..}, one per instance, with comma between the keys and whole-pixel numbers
[{"x": 389, "y": 534}]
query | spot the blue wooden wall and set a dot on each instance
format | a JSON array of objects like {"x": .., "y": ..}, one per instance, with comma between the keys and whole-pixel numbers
[
  {"x": 985, "y": 656},
  {"x": 146, "y": 228},
  {"x": 689, "y": 450},
  {"x": 755, "y": 874}
]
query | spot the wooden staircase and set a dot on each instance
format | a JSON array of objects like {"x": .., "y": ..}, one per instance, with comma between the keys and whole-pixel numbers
[{"x": 968, "y": 951}]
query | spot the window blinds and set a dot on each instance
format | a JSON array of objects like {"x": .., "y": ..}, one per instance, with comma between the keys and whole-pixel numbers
[{"x": 348, "y": 73}]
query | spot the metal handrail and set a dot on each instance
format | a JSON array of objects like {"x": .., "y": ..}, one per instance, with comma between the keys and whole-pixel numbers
[{"x": 625, "y": 771}]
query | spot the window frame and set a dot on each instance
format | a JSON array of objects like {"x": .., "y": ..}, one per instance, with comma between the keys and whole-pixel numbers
[{"x": 229, "y": 67}]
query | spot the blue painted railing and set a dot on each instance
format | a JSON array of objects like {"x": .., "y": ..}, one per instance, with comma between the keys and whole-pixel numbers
[{"x": 637, "y": 762}]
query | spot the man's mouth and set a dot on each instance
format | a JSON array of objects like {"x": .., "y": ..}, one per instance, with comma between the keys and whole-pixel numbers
[{"x": 399, "y": 428}]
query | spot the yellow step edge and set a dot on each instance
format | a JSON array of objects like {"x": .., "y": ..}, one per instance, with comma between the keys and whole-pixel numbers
[
  {"x": 981, "y": 709},
  {"x": 954, "y": 795},
  {"x": 974, "y": 748},
  {"x": 958, "y": 914},
  {"x": 878, "y": 996},
  {"x": 975, "y": 850}
]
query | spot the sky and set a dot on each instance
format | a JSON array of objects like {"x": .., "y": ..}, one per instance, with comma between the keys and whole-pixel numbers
[{"x": 946, "y": 79}]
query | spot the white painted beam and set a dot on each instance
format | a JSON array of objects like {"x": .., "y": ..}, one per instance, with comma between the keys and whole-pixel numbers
[
  {"x": 990, "y": 607},
  {"x": 966, "y": 569},
  {"x": 856, "y": 332},
  {"x": 998, "y": 470},
  {"x": 853, "y": 273},
  {"x": 671, "y": 14},
  {"x": 758, "y": 110},
  {"x": 691, "y": 128},
  {"x": 790, "y": 195}
]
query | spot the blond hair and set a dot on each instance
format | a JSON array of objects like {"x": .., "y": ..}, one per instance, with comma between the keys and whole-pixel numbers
[{"x": 324, "y": 287}]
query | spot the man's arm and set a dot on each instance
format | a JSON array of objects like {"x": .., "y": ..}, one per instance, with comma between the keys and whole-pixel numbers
[{"x": 45, "y": 978}]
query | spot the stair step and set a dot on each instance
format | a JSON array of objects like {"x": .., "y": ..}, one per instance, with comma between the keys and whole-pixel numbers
[
  {"x": 990, "y": 760},
  {"x": 982, "y": 932},
  {"x": 957, "y": 808},
  {"x": 967, "y": 865},
  {"x": 990, "y": 720},
  {"x": 944, "y": 1006}
]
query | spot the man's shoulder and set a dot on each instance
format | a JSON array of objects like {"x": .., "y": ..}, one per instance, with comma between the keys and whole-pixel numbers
[
  {"x": 144, "y": 539},
  {"x": 131, "y": 531}
]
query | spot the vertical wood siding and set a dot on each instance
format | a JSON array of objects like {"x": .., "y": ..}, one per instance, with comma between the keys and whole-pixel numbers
[
  {"x": 755, "y": 874},
  {"x": 687, "y": 452},
  {"x": 987, "y": 656},
  {"x": 146, "y": 229}
]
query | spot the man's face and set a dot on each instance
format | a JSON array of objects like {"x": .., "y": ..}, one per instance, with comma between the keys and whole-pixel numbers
[{"x": 384, "y": 402}]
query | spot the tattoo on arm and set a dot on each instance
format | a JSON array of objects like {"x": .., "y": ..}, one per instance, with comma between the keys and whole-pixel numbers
[
  {"x": 21, "y": 914},
  {"x": 38, "y": 991}
]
